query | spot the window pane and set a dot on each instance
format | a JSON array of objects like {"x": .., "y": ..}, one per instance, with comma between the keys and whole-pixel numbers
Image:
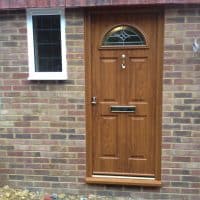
[
  {"x": 123, "y": 36},
  {"x": 47, "y": 43}
]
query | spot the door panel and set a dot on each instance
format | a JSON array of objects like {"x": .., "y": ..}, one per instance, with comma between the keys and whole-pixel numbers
[
  {"x": 138, "y": 79},
  {"x": 139, "y": 145},
  {"x": 107, "y": 158},
  {"x": 108, "y": 71},
  {"x": 109, "y": 136}
]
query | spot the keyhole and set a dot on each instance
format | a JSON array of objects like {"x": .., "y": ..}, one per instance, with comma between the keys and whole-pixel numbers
[{"x": 123, "y": 66}]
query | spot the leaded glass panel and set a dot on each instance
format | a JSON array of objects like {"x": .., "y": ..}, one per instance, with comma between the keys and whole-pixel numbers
[
  {"x": 123, "y": 35},
  {"x": 47, "y": 42}
]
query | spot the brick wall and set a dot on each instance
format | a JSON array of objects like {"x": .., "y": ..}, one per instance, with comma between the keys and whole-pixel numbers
[
  {"x": 10, "y": 4},
  {"x": 42, "y": 123},
  {"x": 181, "y": 103}
]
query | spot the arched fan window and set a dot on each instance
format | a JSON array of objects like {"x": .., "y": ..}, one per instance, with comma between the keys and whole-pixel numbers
[{"x": 123, "y": 35}]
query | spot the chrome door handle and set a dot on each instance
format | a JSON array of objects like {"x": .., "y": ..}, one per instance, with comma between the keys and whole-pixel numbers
[
  {"x": 123, "y": 65},
  {"x": 94, "y": 101}
]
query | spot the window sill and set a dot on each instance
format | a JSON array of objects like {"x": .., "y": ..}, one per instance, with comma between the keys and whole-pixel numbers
[
  {"x": 47, "y": 76},
  {"x": 123, "y": 181}
]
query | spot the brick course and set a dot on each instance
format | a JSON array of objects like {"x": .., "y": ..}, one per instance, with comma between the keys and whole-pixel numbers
[
  {"x": 17, "y": 4},
  {"x": 42, "y": 123}
]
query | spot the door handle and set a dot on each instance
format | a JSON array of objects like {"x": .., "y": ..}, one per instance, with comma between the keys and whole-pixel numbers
[
  {"x": 94, "y": 101},
  {"x": 123, "y": 65}
]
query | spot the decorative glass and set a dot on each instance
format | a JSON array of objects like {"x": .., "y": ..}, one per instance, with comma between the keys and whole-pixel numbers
[{"x": 123, "y": 35}]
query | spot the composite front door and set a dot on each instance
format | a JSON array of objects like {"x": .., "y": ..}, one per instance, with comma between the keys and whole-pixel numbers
[{"x": 124, "y": 96}]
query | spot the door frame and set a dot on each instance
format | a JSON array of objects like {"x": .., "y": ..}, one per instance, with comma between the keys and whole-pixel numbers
[{"x": 88, "y": 94}]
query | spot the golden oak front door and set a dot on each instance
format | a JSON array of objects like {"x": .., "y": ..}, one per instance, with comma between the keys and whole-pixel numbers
[{"x": 123, "y": 95}]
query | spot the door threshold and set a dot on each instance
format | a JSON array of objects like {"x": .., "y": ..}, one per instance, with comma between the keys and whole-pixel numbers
[{"x": 123, "y": 180}]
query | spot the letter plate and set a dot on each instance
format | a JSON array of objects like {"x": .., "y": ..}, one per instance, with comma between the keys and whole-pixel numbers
[{"x": 123, "y": 109}]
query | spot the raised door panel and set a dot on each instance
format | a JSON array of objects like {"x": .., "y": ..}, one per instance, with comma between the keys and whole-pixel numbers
[
  {"x": 109, "y": 137},
  {"x": 108, "y": 79},
  {"x": 107, "y": 158},
  {"x": 137, "y": 73},
  {"x": 138, "y": 79},
  {"x": 139, "y": 146}
]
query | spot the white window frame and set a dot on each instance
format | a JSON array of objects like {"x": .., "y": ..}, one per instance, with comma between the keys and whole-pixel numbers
[{"x": 33, "y": 75}]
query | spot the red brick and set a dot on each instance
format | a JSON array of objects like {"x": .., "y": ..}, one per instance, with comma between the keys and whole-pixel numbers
[
  {"x": 4, "y": 4},
  {"x": 174, "y": 47},
  {"x": 181, "y": 159},
  {"x": 15, "y": 153},
  {"x": 11, "y": 82},
  {"x": 21, "y": 88},
  {"x": 190, "y": 191},
  {"x": 19, "y": 75},
  {"x": 4, "y": 88},
  {"x": 43, "y": 3},
  {"x": 22, "y": 124},
  {"x": 17, "y": 3},
  {"x": 57, "y": 3}
]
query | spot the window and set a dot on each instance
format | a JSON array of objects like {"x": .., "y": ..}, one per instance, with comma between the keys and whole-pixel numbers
[
  {"x": 123, "y": 35},
  {"x": 46, "y": 44}
]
